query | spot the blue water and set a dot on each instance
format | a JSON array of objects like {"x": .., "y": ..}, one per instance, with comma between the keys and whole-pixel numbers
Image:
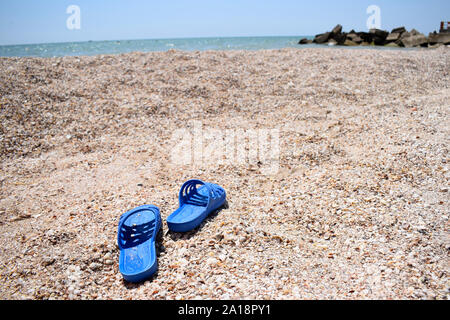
[{"x": 123, "y": 46}]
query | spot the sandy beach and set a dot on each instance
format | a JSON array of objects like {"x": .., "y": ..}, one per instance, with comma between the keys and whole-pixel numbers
[{"x": 352, "y": 203}]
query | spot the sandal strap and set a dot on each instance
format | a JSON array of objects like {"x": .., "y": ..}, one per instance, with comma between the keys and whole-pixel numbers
[
  {"x": 216, "y": 190},
  {"x": 188, "y": 193},
  {"x": 132, "y": 236}
]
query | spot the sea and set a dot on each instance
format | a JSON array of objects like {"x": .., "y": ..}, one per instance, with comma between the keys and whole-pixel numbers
[{"x": 184, "y": 44}]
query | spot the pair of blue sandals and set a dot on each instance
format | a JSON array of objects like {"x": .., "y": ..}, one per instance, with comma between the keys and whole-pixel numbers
[{"x": 139, "y": 227}]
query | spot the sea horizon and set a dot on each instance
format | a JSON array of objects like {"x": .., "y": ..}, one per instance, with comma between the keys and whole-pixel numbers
[
  {"x": 165, "y": 38},
  {"x": 96, "y": 47}
]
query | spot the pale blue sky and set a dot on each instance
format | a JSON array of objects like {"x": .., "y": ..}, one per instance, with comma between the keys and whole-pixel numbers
[{"x": 42, "y": 21}]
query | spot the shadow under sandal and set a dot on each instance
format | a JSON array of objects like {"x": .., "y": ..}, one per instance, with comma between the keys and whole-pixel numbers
[
  {"x": 197, "y": 200},
  {"x": 136, "y": 237}
]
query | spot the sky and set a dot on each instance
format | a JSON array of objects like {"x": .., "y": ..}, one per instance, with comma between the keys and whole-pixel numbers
[{"x": 45, "y": 21}]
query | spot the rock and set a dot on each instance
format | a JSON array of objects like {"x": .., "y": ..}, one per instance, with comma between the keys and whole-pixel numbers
[
  {"x": 435, "y": 46},
  {"x": 414, "y": 41},
  {"x": 322, "y": 38},
  {"x": 339, "y": 38},
  {"x": 354, "y": 38},
  {"x": 379, "y": 41},
  {"x": 336, "y": 30},
  {"x": 394, "y": 36},
  {"x": 404, "y": 35},
  {"x": 337, "y": 35},
  {"x": 442, "y": 38},
  {"x": 305, "y": 41},
  {"x": 398, "y": 30},
  {"x": 366, "y": 37},
  {"x": 349, "y": 42},
  {"x": 414, "y": 32},
  {"x": 379, "y": 33},
  {"x": 379, "y": 36}
]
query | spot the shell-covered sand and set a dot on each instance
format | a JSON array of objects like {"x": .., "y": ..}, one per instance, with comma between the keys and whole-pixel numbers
[{"x": 355, "y": 204}]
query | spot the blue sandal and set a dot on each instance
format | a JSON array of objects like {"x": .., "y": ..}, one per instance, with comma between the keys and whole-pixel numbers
[
  {"x": 197, "y": 200},
  {"x": 136, "y": 237}
]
